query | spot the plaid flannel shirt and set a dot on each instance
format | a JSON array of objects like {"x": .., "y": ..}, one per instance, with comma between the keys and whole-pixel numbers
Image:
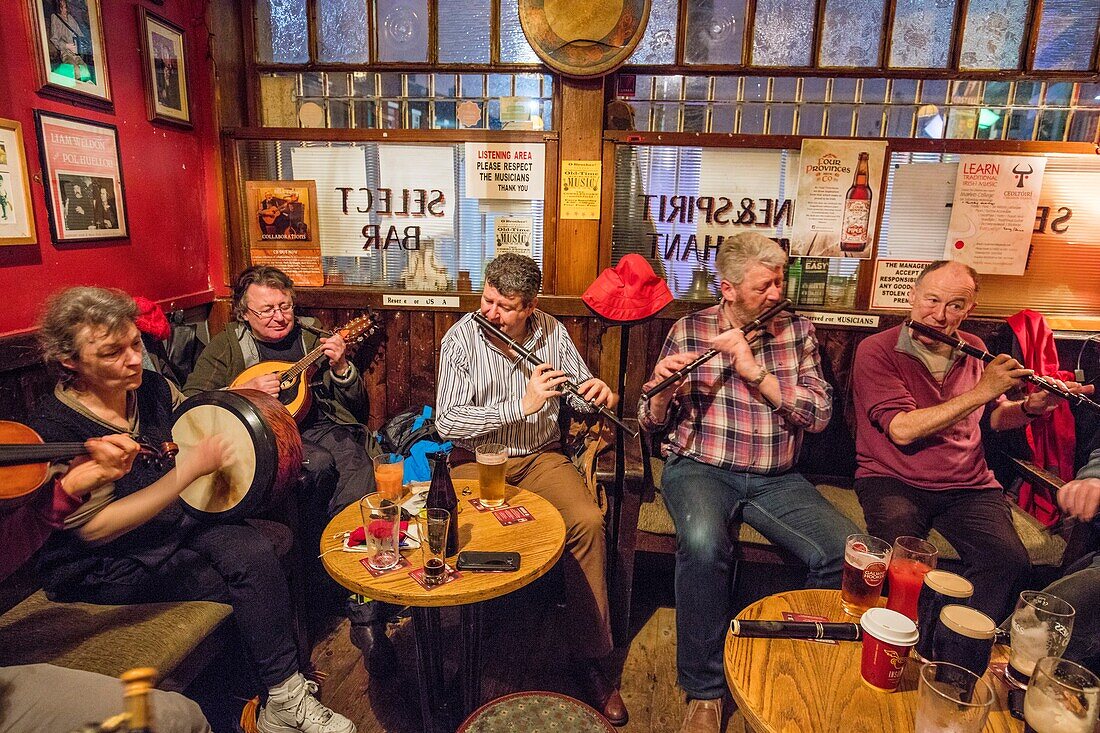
[{"x": 718, "y": 419}]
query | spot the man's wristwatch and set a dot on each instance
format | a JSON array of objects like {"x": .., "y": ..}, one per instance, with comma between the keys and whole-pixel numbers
[{"x": 759, "y": 378}]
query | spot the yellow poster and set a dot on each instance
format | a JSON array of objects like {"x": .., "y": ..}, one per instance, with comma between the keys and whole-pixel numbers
[{"x": 580, "y": 189}]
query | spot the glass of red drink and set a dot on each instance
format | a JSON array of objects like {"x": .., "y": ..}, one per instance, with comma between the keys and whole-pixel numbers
[{"x": 910, "y": 561}]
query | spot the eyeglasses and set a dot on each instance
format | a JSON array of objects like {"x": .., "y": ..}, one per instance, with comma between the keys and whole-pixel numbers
[{"x": 269, "y": 312}]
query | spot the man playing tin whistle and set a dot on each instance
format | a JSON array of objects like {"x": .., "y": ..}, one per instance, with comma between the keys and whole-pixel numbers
[
  {"x": 921, "y": 464},
  {"x": 733, "y": 429},
  {"x": 488, "y": 394}
]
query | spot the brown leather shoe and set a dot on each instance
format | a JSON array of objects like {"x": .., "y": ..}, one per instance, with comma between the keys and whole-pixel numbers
[
  {"x": 703, "y": 716},
  {"x": 602, "y": 694}
]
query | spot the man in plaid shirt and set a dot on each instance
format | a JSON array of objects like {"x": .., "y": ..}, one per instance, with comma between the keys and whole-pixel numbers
[{"x": 733, "y": 430}]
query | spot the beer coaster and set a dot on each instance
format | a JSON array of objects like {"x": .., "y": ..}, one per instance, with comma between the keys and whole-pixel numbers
[
  {"x": 449, "y": 575},
  {"x": 476, "y": 503},
  {"x": 401, "y": 563},
  {"x": 513, "y": 515},
  {"x": 789, "y": 616}
]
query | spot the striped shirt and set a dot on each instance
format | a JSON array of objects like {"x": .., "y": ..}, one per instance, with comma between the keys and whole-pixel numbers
[
  {"x": 479, "y": 399},
  {"x": 718, "y": 419}
]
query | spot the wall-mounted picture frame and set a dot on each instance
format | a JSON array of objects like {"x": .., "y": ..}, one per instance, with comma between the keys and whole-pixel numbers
[
  {"x": 16, "y": 211},
  {"x": 82, "y": 173},
  {"x": 164, "y": 64},
  {"x": 70, "y": 53}
]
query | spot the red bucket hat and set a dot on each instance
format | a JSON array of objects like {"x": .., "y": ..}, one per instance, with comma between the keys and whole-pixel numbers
[{"x": 630, "y": 291}]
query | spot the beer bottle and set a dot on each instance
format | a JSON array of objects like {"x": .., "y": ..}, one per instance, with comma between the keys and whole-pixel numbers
[
  {"x": 855, "y": 228},
  {"x": 441, "y": 495}
]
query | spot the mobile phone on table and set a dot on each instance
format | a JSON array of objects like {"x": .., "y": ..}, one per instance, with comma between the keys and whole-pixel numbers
[{"x": 475, "y": 560}]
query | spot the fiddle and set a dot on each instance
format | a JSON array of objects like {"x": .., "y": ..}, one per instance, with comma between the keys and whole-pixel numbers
[{"x": 25, "y": 459}]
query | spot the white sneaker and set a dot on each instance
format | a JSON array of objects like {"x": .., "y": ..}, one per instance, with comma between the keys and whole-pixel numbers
[{"x": 293, "y": 708}]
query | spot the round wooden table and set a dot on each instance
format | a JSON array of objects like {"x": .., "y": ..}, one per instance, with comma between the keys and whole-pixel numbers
[
  {"x": 802, "y": 686},
  {"x": 539, "y": 543}
]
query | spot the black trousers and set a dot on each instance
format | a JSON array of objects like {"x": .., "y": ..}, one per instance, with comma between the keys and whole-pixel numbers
[
  {"x": 233, "y": 564},
  {"x": 977, "y": 523}
]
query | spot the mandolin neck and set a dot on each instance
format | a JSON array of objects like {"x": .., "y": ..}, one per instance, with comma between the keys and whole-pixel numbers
[
  {"x": 15, "y": 454},
  {"x": 304, "y": 363}
]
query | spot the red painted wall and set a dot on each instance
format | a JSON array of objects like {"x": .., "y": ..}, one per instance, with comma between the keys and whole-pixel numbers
[{"x": 174, "y": 207}]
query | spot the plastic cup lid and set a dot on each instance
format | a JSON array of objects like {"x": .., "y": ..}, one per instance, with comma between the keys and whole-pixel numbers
[
  {"x": 969, "y": 622},
  {"x": 889, "y": 626},
  {"x": 949, "y": 584}
]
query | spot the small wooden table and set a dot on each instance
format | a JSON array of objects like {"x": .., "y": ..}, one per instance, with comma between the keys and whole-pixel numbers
[
  {"x": 802, "y": 686},
  {"x": 539, "y": 543}
]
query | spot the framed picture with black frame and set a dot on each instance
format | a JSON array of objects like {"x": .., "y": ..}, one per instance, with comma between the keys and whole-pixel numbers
[
  {"x": 82, "y": 174},
  {"x": 70, "y": 51},
  {"x": 164, "y": 64}
]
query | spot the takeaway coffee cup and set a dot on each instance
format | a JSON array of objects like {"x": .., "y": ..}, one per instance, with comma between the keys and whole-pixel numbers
[{"x": 887, "y": 638}]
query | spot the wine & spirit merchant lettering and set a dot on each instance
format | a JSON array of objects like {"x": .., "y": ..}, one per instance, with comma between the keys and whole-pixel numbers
[{"x": 763, "y": 213}]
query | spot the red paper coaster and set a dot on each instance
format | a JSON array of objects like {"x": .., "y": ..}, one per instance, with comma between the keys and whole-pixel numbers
[
  {"x": 476, "y": 503},
  {"x": 449, "y": 575},
  {"x": 401, "y": 563},
  {"x": 513, "y": 515}
]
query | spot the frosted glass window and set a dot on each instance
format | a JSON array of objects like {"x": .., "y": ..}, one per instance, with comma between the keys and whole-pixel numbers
[
  {"x": 921, "y": 36},
  {"x": 715, "y": 32},
  {"x": 840, "y": 120},
  {"x": 658, "y": 45},
  {"x": 281, "y": 34},
  {"x": 813, "y": 88},
  {"x": 402, "y": 30},
  {"x": 993, "y": 34},
  {"x": 1067, "y": 34},
  {"x": 851, "y": 34},
  {"x": 903, "y": 90},
  {"x": 342, "y": 29},
  {"x": 514, "y": 48},
  {"x": 756, "y": 88},
  {"x": 466, "y": 41},
  {"x": 783, "y": 32},
  {"x": 752, "y": 119},
  {"x": 781, "y": 119}
]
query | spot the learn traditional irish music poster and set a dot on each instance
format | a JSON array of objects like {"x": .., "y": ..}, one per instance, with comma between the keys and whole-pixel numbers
[{"x": 281, "y": 219}]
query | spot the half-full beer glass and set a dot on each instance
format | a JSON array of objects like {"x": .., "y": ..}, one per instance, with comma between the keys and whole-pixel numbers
[
  {"x": 491, "y": 461},
  {"x": 1041, "y": 627},
  {"x": 1063, "y": 697},
  {"x": 866, "y": 559}
]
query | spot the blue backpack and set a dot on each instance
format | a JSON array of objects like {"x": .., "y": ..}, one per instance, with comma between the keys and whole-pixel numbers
[{"x": 412, "y": 434}]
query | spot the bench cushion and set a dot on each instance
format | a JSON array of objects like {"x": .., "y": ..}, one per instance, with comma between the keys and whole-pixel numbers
[
  {"x": 106, "y": 639},
  {"x": 1043, "y": 548}
]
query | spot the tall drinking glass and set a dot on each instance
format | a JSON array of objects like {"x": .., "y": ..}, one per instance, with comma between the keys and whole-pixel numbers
[
  {"x": 952, "y": 699},
  {"x": 389, "y": 473},
  {"x": 1041, "y": 627},
  {"x": 1063, "y": 697},
  {"x": 382, "y": 525},
  {"x": 492, "y": 458},
  {"x": 910, "y": 560},
  {"x": 434, "y": 524},
  {"x": 865, "y": 561}
]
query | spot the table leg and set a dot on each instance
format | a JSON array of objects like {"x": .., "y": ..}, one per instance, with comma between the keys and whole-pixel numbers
[
  {"x": 471, "y": 657},
  {"x": 429, "y": 670}
]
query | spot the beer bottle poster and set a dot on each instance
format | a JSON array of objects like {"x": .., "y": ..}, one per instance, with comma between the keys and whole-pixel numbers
[
  {"x": 839, "y": 184},
  {"x": 993, "y": 213}
]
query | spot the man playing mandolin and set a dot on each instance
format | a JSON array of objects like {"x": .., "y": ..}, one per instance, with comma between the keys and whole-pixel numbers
[{"x": 338, "y": 469}]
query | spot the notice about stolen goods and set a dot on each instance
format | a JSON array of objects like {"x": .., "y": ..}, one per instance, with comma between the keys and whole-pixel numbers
[{"x": 893, "y": 281}]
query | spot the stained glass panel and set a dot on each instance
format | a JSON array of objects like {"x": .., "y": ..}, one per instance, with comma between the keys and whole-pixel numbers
[
  {"x": 465, "y": 42},
  {"x": 514, "y": 48},
  {"x": 402, "y": 30},
  {"x": 342, "y": 28},
  {"x": 783, "y": 32},
  {"x": 921, "y": 36},
  {"x": 658, "y": 45},
  {"x": 281, "y": 35},
  {"x": 851, "y": 34},
  {"x": 1067, "y": 34},
  {"x": 993, "y": 34},
  {"x": 715, "y": 32}
]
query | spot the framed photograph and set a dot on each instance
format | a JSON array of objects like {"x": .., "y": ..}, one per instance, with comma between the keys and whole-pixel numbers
[
  {"x": 16, "y": 213},
  {"x": 69, "y": 48},
  {"x": 82, "y": 173},
  {"x": 164, "y": 60}
]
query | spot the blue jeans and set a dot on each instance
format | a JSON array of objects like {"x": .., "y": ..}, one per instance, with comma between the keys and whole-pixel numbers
[
  {"x": 1081, "y": 588},
  {"x": 703, "y": 501}
]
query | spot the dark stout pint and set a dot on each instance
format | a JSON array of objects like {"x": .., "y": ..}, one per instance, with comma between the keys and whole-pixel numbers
[
  {"x": 855, "y": 231},
  {"x": 964, "y": 636},
  {"x": 433, "y": 571},
  {"x": 866, "y": 559},
  {"x": 940, "y": 589}
]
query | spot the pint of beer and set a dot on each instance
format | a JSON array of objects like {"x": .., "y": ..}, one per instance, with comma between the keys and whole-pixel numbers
[
  {"x": 491, "y": 461},
  {"x": 866, "y": 559},
  {"x": 1041, "y": 626},
  {"x": 1063, "y": 697}
]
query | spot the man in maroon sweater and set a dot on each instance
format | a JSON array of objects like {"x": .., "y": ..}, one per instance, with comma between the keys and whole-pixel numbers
[{"x": 921, "y": 465}]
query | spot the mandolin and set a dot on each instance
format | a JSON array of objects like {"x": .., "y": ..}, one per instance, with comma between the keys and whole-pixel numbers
[
  {"x": 25, "y": 460},
  {"x": 294, "y": 392}
]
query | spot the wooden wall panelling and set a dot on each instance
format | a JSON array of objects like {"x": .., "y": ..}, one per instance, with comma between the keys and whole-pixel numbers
[
  {"x": 397, "y": 362},
  {"x": 422, "y": 359},
  {"x": 577, "y": 257}
]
